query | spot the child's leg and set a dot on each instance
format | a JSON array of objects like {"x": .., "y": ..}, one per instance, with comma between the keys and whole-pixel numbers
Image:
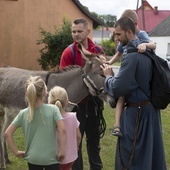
[
  {"x": 117, "y": 119},
  {"x": 119, "y": 109}
]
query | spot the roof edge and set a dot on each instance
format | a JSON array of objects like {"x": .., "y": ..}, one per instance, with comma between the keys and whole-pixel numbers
[{"x": 96, "y": 21}]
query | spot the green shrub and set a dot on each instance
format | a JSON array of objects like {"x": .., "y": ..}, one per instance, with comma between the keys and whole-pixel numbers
[
  {"x": 108, "y": 47},
  {"x": 54, "y": 44}
]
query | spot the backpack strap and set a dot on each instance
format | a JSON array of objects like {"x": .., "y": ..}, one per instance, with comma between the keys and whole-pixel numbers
[
  {"x": 146, "y": 53},
  {"x": 132, "y": 50},
  {"x": 73, "y": 53},
  {"x": 98, "y": 49}
]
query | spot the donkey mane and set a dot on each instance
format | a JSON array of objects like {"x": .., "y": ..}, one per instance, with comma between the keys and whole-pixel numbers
[
  {"x": 68, "y": 68},
  {"x": 65, "y": 69}
]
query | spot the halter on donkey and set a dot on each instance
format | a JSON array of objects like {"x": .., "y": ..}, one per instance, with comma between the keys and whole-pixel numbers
[{"x": 78, "y": 82}]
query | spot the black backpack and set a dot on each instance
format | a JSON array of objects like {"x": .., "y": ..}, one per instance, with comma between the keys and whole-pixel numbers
[{"x": 160, "y": 84}]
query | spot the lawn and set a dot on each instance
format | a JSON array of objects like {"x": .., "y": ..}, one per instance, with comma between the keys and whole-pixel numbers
[{"x": 108, "y": 143}]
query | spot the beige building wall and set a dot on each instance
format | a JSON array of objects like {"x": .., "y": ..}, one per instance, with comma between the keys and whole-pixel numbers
[{"x": 19, "y": 28}]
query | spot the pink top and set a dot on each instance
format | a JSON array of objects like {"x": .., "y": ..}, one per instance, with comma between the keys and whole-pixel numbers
[{"x": 71, "y": 124}]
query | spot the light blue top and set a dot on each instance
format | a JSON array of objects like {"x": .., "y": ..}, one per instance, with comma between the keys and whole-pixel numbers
[{"x": 40, "y": 134}]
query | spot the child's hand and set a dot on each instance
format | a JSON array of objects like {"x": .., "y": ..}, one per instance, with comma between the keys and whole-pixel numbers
[
  {"x": 20, "y": 154},
  {"x": 103, "y": 58},
  {"x": 108, "y": 62},
  {"x": 61, "y": 156},
  {"x": 141, "y": 48}
]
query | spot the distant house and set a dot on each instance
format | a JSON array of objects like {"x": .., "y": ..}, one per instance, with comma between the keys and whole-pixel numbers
[
  {"x": 103, "y": 33},
  {"x": 150, "y": 17},
  {"x": 20, "y": 23},
  {"x": 156, "y": 23},
  {"x": 161, "y": 36}
]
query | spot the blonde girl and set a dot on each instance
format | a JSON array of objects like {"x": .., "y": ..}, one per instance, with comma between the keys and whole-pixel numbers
[
  {"x": 38, "y": 123},
  {"x": 58, "y": 96}
]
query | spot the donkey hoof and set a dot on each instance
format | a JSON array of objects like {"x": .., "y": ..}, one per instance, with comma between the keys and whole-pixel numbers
[{"x": 3, "y": 167}]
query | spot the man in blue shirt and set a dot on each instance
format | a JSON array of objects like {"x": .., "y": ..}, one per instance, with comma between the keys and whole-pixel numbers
[{"x": 141, "y": 146}]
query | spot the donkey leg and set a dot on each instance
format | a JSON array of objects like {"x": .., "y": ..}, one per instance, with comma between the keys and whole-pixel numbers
[
  {"x": 7, "y": 161},
  {"x": 2, "y": 158},
  {"x": 10, "y": 113}
]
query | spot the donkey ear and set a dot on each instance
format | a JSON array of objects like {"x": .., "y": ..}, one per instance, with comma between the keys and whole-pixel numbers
[
  {"x": 88, "y": 56},
  {"x": 82, "y": 49}
]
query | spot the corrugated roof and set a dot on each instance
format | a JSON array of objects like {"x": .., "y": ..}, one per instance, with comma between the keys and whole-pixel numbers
[
  {"x": 162, "y": 29},
  {"x": 96, "y": 21}
]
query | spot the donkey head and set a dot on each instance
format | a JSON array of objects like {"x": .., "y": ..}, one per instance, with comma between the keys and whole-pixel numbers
[
  {"x": 93, "y": 75},
  {"x": 93, "y": 61}
]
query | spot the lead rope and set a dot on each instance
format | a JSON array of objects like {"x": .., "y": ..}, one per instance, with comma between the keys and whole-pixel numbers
[
  {"x": 102, "y": 122},
  {"x": 102, "y": 125},
  {"x": 100, "y": 130},
  {"x": 133, "y": 144}
]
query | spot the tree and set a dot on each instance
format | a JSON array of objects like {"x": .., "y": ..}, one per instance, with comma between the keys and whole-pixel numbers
[
  {"x": 109, "y": 20},
  {"x": 54, "y": 44}
]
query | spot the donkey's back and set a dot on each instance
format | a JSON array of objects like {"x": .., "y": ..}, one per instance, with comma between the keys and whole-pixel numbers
[{"x": 12, "y": 86}]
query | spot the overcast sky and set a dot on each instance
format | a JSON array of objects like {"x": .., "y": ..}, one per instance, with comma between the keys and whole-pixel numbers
[{"x": 116, "y": 7}]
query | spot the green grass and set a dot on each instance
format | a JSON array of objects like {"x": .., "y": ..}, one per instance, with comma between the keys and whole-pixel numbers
[
  {"x": 108, "y": 143},
  {"x": 117, "y": 63}
]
